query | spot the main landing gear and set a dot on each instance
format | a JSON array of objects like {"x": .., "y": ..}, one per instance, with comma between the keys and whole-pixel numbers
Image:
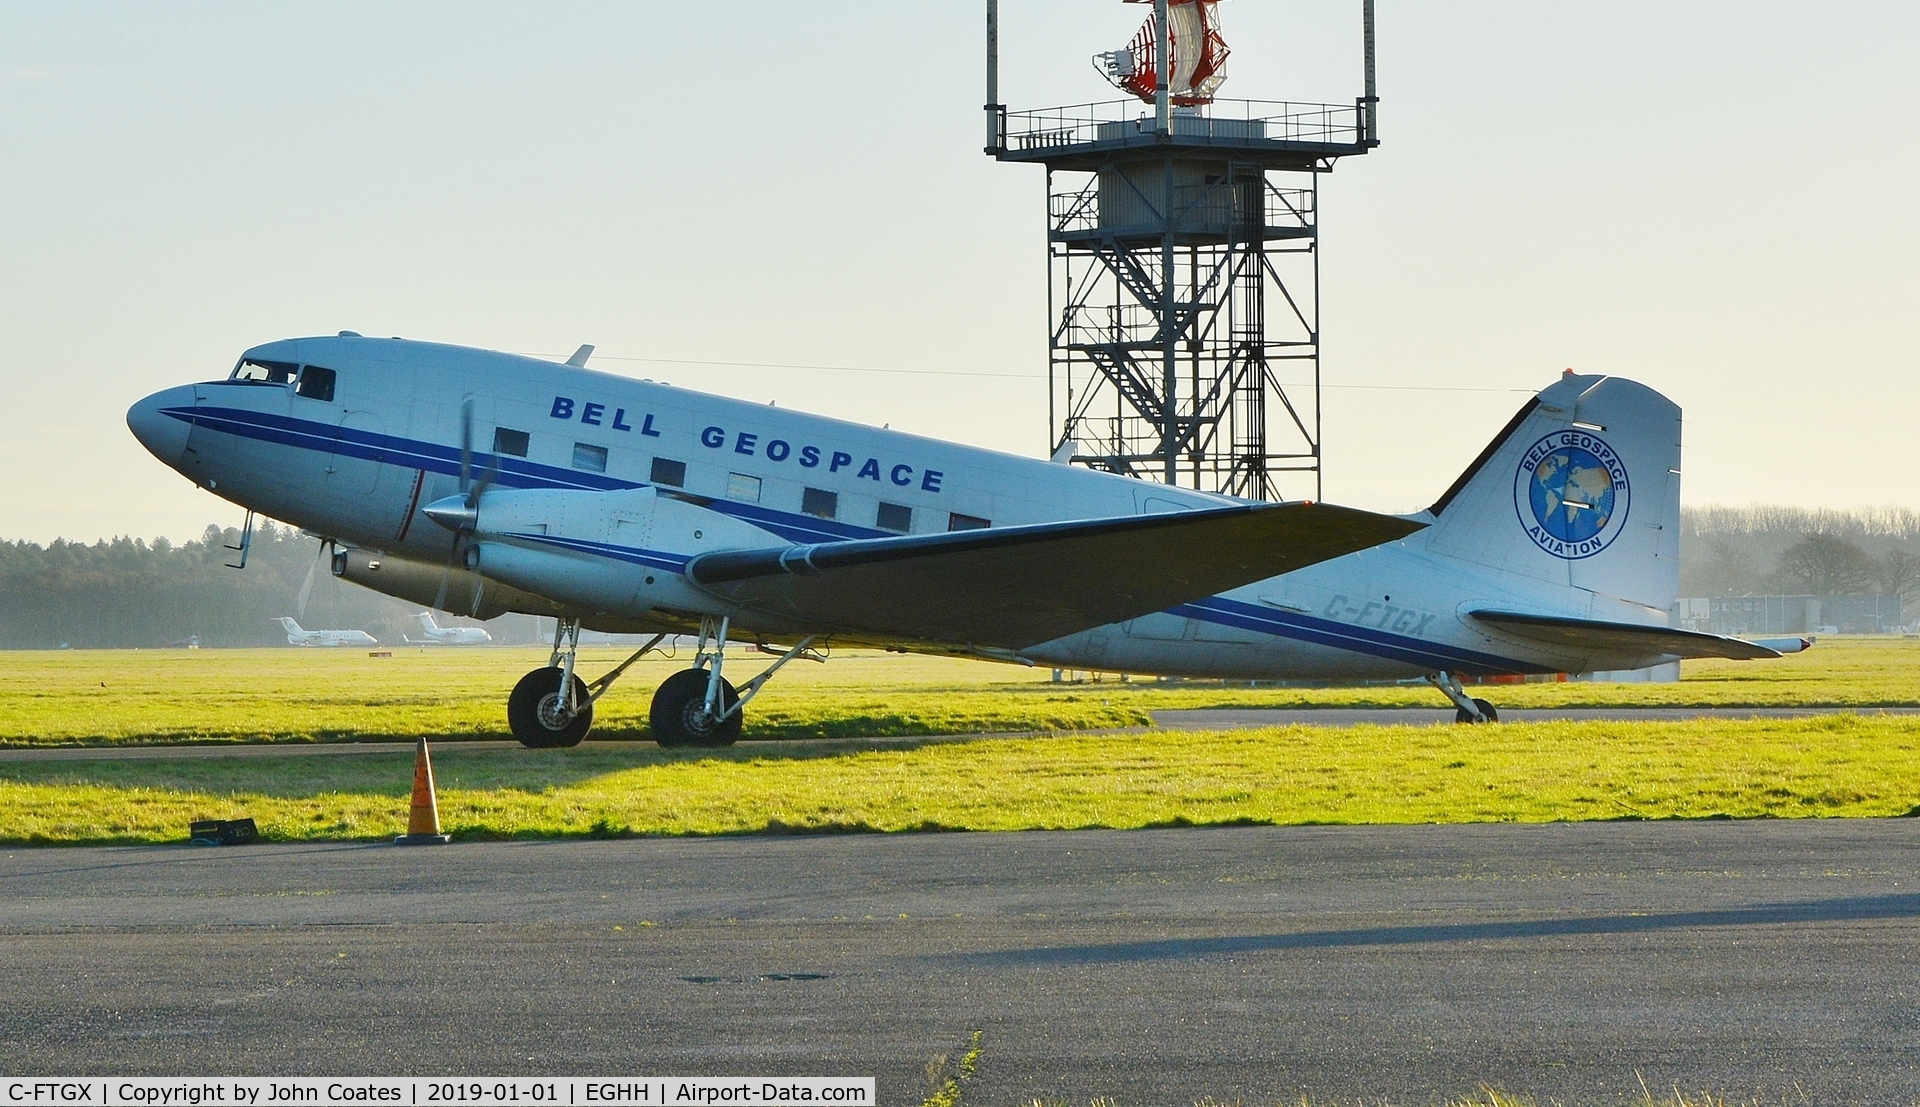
[
  {"x": 694, "y": 707},
  {"x": 1466, "y": 710},
  {"x": 700, "y": 706},
  {"x": 552, "y": 707}
]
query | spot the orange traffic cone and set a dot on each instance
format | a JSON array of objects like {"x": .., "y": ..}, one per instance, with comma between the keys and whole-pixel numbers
[{"x": 423, "y": 820}]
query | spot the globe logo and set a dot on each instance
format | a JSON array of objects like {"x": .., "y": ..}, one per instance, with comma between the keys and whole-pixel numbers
[{"x": 1572, "y": 494}]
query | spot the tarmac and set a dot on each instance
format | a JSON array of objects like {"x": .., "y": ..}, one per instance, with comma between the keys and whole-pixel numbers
[{"x": 1762, "y": 960}]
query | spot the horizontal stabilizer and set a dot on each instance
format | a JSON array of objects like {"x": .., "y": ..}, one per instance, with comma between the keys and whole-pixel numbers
[
  {"x": 1012, "y": 587},
  {"x": 1626, "y": 638}
]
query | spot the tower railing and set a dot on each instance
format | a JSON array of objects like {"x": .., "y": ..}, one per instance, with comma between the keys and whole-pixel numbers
[{"x": 1235, "y": 123}]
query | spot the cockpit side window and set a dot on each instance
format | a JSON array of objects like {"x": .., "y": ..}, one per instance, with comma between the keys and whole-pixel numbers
[
  {"x": 266, "y": 372},
  {"x": 315, "y": 383}
]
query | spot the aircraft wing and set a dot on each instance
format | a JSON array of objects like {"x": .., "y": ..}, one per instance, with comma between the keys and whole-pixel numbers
[
  {"x": 1011, "y": 587},
  {"x": 1610, "y": 637}
]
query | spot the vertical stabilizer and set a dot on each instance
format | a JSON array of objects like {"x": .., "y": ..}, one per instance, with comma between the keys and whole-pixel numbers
[{"x": 1582, "y": 488}]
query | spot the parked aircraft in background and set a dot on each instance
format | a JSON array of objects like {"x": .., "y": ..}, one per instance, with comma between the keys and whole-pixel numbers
[
  {"x": 296, "y": 636},
  {"x": 508, "y": 483},
  {"x": 437, "y": 635}
]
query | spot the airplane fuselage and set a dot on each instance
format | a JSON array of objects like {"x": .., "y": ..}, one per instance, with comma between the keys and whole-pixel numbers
[
  {"x": 358, "y": 460},
  {"x": 331, "y": 638}
]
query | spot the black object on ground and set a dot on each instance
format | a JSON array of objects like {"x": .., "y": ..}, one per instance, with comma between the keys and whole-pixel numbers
[{"x": 223, "y": 832}]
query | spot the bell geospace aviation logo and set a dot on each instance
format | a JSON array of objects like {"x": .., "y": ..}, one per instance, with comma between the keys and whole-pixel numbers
[{"x": 1572, "y": 494}]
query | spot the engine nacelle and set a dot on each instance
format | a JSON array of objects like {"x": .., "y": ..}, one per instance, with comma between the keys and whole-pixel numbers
[
  {"x": 421, "y": 582},
  {"x": 615, "y": 553}
]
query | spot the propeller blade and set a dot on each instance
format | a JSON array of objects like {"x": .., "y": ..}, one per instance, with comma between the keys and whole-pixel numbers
[
  {"x": 466, "y": 443},
  {"x": 446, "y": 578},
  {"x": 480, "y": 487},
  {"x": 306, "y": 589},
  {"x": 472, "y": 490}
]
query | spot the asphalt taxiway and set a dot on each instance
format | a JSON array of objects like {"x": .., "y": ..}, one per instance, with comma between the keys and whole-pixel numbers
[{"x": 1767, "y": 959}]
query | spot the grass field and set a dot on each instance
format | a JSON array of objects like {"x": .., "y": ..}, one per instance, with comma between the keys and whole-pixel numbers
[
  {"x": 112, "y": 697},
  {"x": 1843, "y": 764},
  {"x": 1830, "y": 765}
]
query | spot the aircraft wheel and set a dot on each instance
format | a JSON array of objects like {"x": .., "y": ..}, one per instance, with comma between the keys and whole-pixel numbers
[
  {"x": 531, "y": 711},
  {"x": 1460, "y": 714},
  {"x": 679, "y": 714}
]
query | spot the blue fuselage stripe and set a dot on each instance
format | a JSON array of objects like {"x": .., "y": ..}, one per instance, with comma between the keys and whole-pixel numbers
[
  {"x": 508, "y": 472},
  {"x": 654, "y": 559},
  {"x": 1326, "y": 632},
  {"x": 511, "y": 472}
]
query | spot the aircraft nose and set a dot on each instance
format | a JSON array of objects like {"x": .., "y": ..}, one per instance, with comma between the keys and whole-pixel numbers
[{"x": 163, "y": 434}]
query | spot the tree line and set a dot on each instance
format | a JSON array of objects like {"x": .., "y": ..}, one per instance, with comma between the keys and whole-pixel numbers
[
  {"x": 127, "y": 592},
  {"x": 1765, "y": 550}
]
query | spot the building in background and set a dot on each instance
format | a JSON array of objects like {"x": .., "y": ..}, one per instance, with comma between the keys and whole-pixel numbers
[{"x": 1854, "y": 614}]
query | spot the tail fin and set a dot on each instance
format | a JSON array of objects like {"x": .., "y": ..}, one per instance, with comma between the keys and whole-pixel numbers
[
  {"x": 290, "y": 626},
  {"x": 426, "y": 620},
  {"x": 1582, "y": 488}
]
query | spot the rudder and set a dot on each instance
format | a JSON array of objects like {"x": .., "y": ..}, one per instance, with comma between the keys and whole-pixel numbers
[{"x": 1582, "y": 488}]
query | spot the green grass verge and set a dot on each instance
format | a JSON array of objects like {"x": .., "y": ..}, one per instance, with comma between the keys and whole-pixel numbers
[
  {"x": 292, "y": 695},
  {"x": 113, "y": 697},
  {"x": 1834, "y": 765}
]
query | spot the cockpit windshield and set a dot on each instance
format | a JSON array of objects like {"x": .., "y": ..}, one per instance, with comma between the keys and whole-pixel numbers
[
  {"x": 311, "y": 381},
  {"x": 267, "y": 372}
]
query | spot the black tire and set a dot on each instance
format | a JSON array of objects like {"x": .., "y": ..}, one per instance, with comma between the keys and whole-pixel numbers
[
  {"x": 1460, "y": 714},
  {"x": 678, "y": 714},
  {"x": 523, "y": 711}
]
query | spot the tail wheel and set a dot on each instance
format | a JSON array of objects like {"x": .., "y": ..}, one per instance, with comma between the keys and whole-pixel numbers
[
  {"x": 537, "y": 716},
  {"x": 1460, "y": 715},
  {"x": 679, "y": 714}
]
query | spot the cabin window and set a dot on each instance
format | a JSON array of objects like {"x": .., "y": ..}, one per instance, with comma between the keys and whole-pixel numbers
[
  {"x": 743, "y": 487},
  {"x": 957, "y": 521},
  {"x": 510, "y": 442},
  {"x": 591, "y": 458},
  {"x": 267, "y": 372},
  {"x": 820, "y": 503},
  {"x": 670, "y": 472},
  {"x": 895, "y": 517},
  {"x": 315, "y": 384}
]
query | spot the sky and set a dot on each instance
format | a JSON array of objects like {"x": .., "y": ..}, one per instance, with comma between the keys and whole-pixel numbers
[{"x": 1712, "y": 198}]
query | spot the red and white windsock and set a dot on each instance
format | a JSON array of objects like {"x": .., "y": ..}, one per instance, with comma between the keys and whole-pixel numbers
[{"x": 1195, "y": 48}]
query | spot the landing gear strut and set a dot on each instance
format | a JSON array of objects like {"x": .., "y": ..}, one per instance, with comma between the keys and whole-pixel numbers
[
  {"x": 699, "y": 706},
  {"x": 552, "y": 707},
  {"x": 1467, "y": 710}
]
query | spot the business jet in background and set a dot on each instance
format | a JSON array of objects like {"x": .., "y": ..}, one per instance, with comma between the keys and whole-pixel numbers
[
  {"x": 296, "y": 636},
  {"x": 437, "y": 635},
  {"x": 487, "y": 482}
]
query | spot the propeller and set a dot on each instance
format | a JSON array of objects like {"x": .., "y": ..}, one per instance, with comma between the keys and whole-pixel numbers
[
  {"x": 306, "y": 588},
  {"x": 463, "y": 519}
]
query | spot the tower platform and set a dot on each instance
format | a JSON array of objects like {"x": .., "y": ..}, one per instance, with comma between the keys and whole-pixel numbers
[{"x": 1273, "y": 134}]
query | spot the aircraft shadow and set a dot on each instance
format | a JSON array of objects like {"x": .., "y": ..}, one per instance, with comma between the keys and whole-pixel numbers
[
  {"x": 1848, "y": 908},
  {"x": 390, "y": 772}
]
